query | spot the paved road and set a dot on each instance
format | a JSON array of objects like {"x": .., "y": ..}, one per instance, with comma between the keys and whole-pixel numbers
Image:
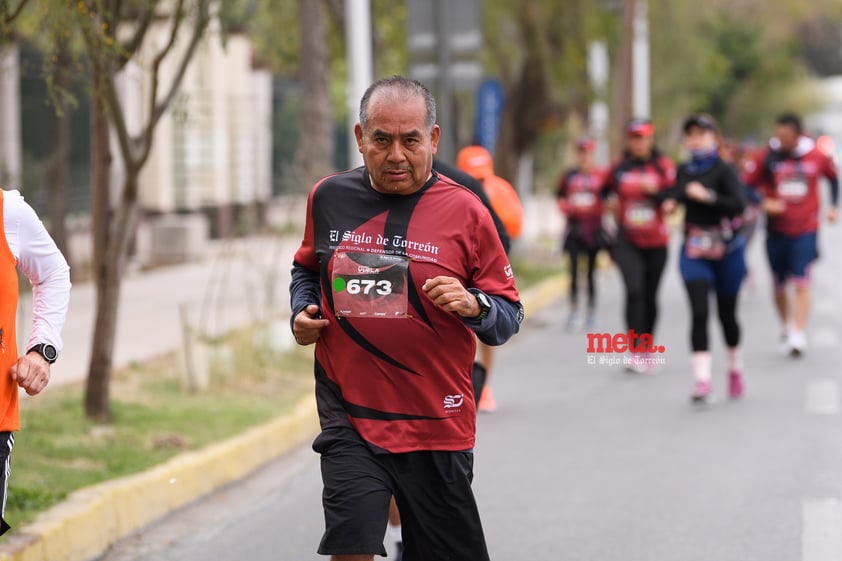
[{"x": 585, "y": 462}]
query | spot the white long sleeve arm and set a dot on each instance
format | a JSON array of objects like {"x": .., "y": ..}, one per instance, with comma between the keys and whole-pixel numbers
[{"x": 42, "y": 263}]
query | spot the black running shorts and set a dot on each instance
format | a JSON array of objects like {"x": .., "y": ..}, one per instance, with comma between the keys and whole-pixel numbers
[
  {"x": 7, "y": 441},
  {"x": 439, "y": 515}
]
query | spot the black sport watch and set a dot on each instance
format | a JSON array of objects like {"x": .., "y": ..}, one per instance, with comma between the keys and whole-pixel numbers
[
  {"x": 484, "y": 303},
  {"x": 46, "y": 350}
]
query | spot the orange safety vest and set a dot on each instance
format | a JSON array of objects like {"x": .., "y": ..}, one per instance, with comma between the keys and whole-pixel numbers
[
  {"x": 505, "y": 202},
  {"x": 9, "y": 415}
]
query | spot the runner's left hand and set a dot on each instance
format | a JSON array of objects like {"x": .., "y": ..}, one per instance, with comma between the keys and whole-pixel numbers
[
  {"x": 697, "y": 192},
  {"x": 831, "y": 214},
  {"x": 448, "y": 294}
]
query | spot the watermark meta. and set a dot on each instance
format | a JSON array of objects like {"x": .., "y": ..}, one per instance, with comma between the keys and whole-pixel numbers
[
  {"x": 631, "y": 349},
  {"x": 630, "y": 342}
]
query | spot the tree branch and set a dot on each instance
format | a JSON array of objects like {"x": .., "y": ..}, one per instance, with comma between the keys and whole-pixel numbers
[
  {"x": 130, "y": 47},
  {"x": 157, "y": 108},
  {"x": 9, "y": 17},
  {"x": 106, "y": 88},
  {"x": 156, "y": 66}
]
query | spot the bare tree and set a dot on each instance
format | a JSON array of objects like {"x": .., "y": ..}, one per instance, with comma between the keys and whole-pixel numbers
[
  {"x": 314, "y": 154},
  {"x": 114, "y": 221}
]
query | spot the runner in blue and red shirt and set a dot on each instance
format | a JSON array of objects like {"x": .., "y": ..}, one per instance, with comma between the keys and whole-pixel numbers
[
  {"x": 634, "y": 189},
  {"x": 398, "y": 269},
  {"x": 787, "y": 174}
]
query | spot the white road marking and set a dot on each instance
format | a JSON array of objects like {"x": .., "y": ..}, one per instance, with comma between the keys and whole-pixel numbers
[
  {"x": 821, "y": 530},
  {"x": 822, "y": 397}
]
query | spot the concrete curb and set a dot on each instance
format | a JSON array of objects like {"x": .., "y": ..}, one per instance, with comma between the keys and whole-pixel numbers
[
  {"x": 91, "y": 519},
  {"x": 545, "y": 293}
]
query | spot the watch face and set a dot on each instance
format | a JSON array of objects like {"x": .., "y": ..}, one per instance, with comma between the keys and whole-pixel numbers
[{"x": 49, "y": 352}]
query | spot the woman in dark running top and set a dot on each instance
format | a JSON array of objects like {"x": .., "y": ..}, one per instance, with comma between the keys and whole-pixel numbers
[
  {"x": 713, "y": 253},
  {"x": 634, "y": 190}
]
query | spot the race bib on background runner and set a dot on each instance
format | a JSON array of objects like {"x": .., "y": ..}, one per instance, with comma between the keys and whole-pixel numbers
[
  {"x": 705, "y": 243},
  {"x": 639, "y": 215},
  {"x": 583, "y": 200},
  {"x": 370, "y": 285},
  {"x": 793, "y": 188}
]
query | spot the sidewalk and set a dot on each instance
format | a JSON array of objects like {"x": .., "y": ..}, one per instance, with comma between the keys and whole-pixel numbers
[{"x": 238, "y": 283}]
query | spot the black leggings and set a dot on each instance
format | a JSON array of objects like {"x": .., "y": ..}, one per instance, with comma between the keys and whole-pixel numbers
[
  {"x": 642, "y": 270},
  {"x": 699, "y": 291},
  {"x": 574, "y": 248}
]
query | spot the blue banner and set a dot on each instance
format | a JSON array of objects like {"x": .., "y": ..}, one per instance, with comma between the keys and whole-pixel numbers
[{"x": 489, "y": 113}]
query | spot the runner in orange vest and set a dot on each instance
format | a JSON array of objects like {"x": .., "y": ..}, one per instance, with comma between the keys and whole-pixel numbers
[
  {"x": 477, "y": 161},
  {"x": 26, "y": 245}
]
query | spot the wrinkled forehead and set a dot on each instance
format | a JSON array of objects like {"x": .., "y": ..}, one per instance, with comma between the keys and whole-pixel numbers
[{"x": 395, "y": 108}]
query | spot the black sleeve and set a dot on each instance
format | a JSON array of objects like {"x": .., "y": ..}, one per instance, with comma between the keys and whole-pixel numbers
[
  {"x": 501, "y": 323},
  {"x": 609, "y": 185},
  {"x": 678, "y": 191},
  {"x": 563, "y": 182},
  {"x": 303, "y": 289},
  {"x": 730, "y": 198},
  {"x": 751, "y": 194},
  {"x": 473, "y": 185}
]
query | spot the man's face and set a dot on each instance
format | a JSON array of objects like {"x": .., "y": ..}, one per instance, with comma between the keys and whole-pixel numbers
[
  {"x": 788, "y": 137},
  {"x": 396, "y": 146},
  {"x": 640, "y": 146}
]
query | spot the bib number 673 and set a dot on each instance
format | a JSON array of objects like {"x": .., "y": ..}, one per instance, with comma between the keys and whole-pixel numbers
[{"x": 365, "y": 286}]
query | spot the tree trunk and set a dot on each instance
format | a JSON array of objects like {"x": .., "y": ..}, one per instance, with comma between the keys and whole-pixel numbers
[
  {"x": 59, "y": 139},
  {"x": 527, "y": 108},
  {"x": 314, "y": 155},
  {"x": 97, "y": 406},
  {"x": 528, "y": 103},
  {"x": 98, "y": 388},
  {"x": 108, "y": 286}
]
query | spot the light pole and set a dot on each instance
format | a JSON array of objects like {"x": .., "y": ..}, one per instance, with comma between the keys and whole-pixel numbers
[
  {"x": 358, "y": 46},
  {"x": 631, "y": 83},
  {"x": 641, "y": 105}
]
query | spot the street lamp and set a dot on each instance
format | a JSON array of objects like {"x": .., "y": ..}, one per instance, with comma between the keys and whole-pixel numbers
[{"x": 358, "y": 44}]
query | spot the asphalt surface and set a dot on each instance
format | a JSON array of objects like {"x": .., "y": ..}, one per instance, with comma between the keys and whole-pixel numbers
[{"x": 584, "y": 461}]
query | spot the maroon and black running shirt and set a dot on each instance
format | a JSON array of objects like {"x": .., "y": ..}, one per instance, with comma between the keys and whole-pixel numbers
[{"x": 391, "y": 364}]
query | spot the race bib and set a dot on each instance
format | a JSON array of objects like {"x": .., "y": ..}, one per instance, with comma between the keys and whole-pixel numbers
[
  {"x": 583, "y": 200},
  {"x": 794, "y": 188},
  {"x": 369, "y": 285},
  {"x": 704, "y": 243},
  {"x": 639, "y": 215}
]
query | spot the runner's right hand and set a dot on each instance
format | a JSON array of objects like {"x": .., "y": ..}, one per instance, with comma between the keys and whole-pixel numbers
[
  {"x": 308, "y": 325},
  {"x": 773, "y": 207}
]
